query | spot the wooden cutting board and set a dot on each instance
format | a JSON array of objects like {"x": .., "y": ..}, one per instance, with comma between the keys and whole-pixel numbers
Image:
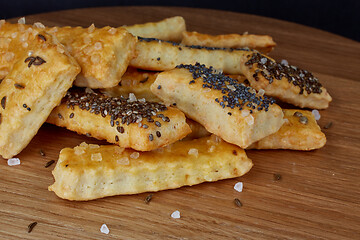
[{"x": 318, "y": 196}]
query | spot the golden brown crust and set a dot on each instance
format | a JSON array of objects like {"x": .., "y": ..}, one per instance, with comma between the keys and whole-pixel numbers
[
  {"x": 169, "y": 29},
  {"x": 284, "y": 82},
  {"x": 136, "y": 82},
  {"x": 293, "y": 134},
  {"x": 156, "y": 55},
  {"x": 90, "y": 171},
  {"x": 262, "y": 43},
  {"x": 134, "y": 135},
  {"x": 35, "y": 85},
  {"x": 236, "y": 126},
  {"x": 103, "y": 54}
]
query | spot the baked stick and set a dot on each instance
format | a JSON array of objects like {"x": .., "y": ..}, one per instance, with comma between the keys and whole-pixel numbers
[
  {"x": 224, "y": 106},
  {"x": 127, "y": 122},
  {"x": 169, "y": 29},
  {"x": 262, "y": 43},
  {"x": 35, "y": 85},
  {"x": 102, "y": 53},
  {"x": 285, "y": 82},
  {"x": 91, "y": 171},
  {"x": 299, "y": 132},
  {"x": 134, "y": 81},
  {"x": 288, "y": 83}
]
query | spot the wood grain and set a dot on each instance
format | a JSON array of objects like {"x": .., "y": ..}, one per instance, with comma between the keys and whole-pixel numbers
[{"x": 318, "y": 196}]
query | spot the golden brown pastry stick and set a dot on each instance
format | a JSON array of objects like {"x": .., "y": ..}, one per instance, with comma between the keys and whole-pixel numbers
[
  {"x": 90, "y": 171},
  {"x": 103, "y": 54},
  {"x": 221, "y": 104},
  {"x": 134, "y": 81},
  {"x": 299, "y": 132},
  {"x": 128, "y": 122},
  {"x": 262, "y": 43},
  {"x": 157, "y": 55},
  {"x": 35, "y": 85},
  {"x": 169, "y": 29},
  {"x": 285, "y": 82},
  {"x": 289, "y": 84}
]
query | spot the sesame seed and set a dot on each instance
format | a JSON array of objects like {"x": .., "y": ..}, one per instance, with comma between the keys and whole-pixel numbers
[
  {"x": 158, "y": 134},
  {"x": 159, "y": 87},
  {"x": 49, "y": 163},
  {"x": 237, "y": 202},
  {"x": 116, "y": 138},
  {"x": 304, "y": 120},
  {"x": 328, "y": 125},
  {"x": 158, "y": 124},
  {"x": 71, "y": 115},
  {"x": 3, "y": 102},
  {"x": 60, "y": 116},
  {"x": 151, "y": 137},
  {"x": 297, "y": 114}
]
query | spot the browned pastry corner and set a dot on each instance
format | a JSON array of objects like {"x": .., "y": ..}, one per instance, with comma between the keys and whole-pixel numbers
[
  {"x": 299, "y": 132},
  {"x": 91, "y": 171},
  {"x": 35, "y": 84},
  {"x": 285, "y": 82},
  {"x": 262, "y": 43},
  {"x": 134, "y": 81},
  {"x": 127, "y": 122},
  {"x": 170, "y": 29},
  {"x": 102, "y": 53},
  {"x": 221, "y": 104}
]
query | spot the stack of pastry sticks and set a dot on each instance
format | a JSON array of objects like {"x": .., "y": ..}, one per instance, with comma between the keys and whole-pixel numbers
[{"x": 178, "y": 107}]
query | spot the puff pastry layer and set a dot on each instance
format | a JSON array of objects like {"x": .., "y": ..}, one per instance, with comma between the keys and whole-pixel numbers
[
  {"x": 91, "y": 171},
  {"x": 221, "y": 104},
  {"x": 35, "y": 85},
  {"x": 127, "y": 122}
]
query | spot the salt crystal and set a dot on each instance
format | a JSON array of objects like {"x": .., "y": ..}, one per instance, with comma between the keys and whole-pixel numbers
[
  {"x": 245, "y": 113},
  {"x": 89, "y": 90},
  {"x": 104, "y": 229},
  {"x": 231, "y": 87},
  {"x": 93, "y": 146},
  {"x": 193, "y": 151},
  {"x": 13, "y": 161},
  {"x": 98, "y": 46},
  {"x": 175, "y": 214},
  {"x": 91, "y": 28},
  {"x": 79, "y": 150},
  {"x": 263, "y": 60},
  {"x": 142, "y": 100},
  {"x": 245, "y": 33},
  {"x": 123, "y": 161},
  {"x": 25, "y": 45},
  {"x": 119, "y": 150},
  {"x": 316, "y": 114},
  {"x": 286, "y": 121},
  {"x": 135, "y": 155},
  {"x": 14, "y": 34},
  {"x": 21, "y": 20},
  {"x": 238, "y": 186},
  {"x": 212, "y": 148},
  {"x": 132, "y": 97},
  {"x": 96, "y": 157},
  {"x": 261, "y": 92},
  {"x": 284, "y": 62},
  {"x": 39, "y": 25},
  {"x": 249, "y": 120}
]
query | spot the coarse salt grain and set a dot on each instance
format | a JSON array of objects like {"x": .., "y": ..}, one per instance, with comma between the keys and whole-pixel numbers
[
  {"x": 98, "y": 46},
  {"x": 231, "y": 87},
  {"x": 284, "y": 62},
  {"x": 261, "y": 92},
  {"x": 104, "y": 229},
  {"x": 13, "y": 161},
  {"x": 286, "y": 120},
  {"x": 96, "y": 157},
  {"x": 193, "y": 151},
  {"x": 39, "y": 25},
  {"x": 175, "y": 214},
  {"x": 245, "y": 113},
  {"x": 79, "y": 150},
  {"x": 93, "y": 146},
  {"x": 123, "y": 161},
  {"x": 21, "y": 20},
  {"x": 249, "y": 120},
  {"x": 25, "y": 45},
  {"x": 263, "y": 60},
  {"x": 211, "y": 149},
  {"x": 135, "y": 155},
  {"x": 316, "y": 114},
  {"x": 14, "y": 34},
  {"x": 91, "y": 28},
  {"x": 238, "y": 186},
  {"x": 132, "y": 97}
]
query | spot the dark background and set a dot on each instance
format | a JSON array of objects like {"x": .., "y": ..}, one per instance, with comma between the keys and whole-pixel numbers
[{"x": 340, "y": 17}]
